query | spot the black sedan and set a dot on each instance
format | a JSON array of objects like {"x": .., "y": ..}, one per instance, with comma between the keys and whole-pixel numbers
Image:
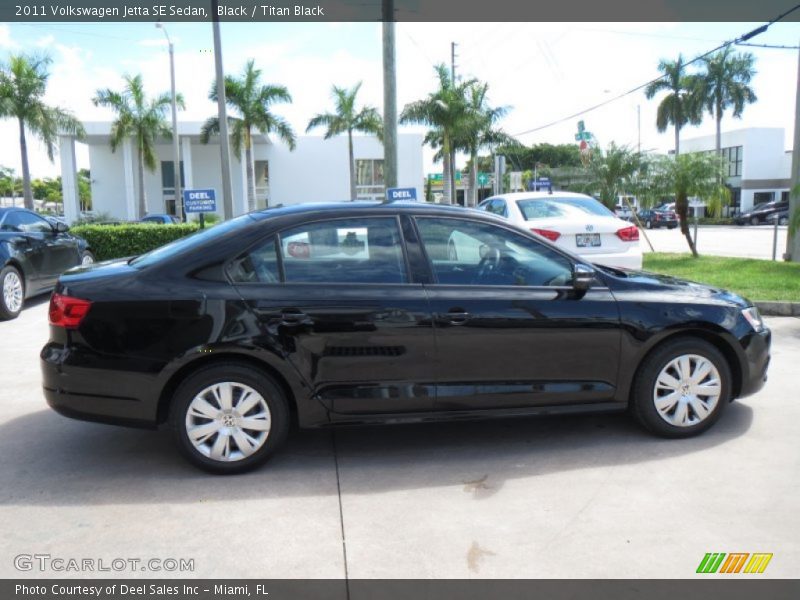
[
  {"x": 653, "y": 218},
  {"x": 760, "y": 214},
  {"x": 33, "y": 253},
  {"x": 355, "y": 313}
]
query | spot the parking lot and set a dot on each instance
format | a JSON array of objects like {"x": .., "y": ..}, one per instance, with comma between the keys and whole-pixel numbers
[
  {"x": 590, "y": 496},
  {"x": 717, "y": 240}
]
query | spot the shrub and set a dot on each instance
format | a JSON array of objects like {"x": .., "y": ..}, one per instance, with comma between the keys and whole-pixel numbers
[{"x": 130, "y": 239}]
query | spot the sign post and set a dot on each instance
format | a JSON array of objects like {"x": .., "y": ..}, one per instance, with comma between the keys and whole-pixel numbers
[{"x": 200, "y": 201}]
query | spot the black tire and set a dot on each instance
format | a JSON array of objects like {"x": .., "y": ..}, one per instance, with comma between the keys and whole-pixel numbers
[
  {"x": 6, "y": 311},
  {"x": 754, "y": 221},
  {"x": 642, "y": 397},
  {"x": 783, "y": 221},
  {"x": 648, "y": 224},
  {"x": 87, "y": 258},
  {"x": 236, "y": 373}
]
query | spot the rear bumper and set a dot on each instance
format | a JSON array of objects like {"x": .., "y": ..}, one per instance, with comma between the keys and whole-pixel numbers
[
  {"x": 632, "y": 259},
  {"x": 103, "y": 396}
]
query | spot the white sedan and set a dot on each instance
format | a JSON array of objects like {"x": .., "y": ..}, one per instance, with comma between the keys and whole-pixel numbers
[{"x": 574, "y": 221}]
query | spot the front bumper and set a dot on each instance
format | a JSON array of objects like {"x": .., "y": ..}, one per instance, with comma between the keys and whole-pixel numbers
[{"x": 756, "y": 349}]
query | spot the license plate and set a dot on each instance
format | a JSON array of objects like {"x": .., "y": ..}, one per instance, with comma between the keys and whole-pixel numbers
[{"x": 582, "y": 240}]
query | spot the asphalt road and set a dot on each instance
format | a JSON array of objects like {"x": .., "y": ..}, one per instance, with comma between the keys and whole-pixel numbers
[
  {"x": 716, "y": 240},
  {"x": 590, "y": 496}
]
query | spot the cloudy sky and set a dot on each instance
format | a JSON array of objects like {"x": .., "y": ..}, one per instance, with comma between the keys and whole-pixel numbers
[{"x": 543, "y": 71}]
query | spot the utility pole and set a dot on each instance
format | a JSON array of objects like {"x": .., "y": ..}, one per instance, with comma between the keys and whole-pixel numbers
[
  {"x": 793, "y": 237},
  {"x": 224, "y": 145},
  {"x": 176, "y": 154},
  {"x": 453, "y": 190},
  {"x": 389, "y": 97}
]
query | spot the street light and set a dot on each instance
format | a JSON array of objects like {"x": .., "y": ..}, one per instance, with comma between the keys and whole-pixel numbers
[{"x": 176, "y": 157}]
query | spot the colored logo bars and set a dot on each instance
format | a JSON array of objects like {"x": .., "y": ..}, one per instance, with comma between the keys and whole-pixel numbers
[{"x": 736, "y": 562}]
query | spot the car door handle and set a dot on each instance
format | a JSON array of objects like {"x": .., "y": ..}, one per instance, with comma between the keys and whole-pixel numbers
[
  {"x": 292, "y": 316},
  {"x": 455, "y": 317}
]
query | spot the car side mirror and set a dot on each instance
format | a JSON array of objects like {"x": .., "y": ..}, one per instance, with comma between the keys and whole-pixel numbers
[
  {"x": 582, "y": 277},
  {"x": 60, "y": 227}
]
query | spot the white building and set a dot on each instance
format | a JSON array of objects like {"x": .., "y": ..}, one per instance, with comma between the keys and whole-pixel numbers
[
  {"x": 316, "y": 171},
  {"x": 759, "y": 165}
]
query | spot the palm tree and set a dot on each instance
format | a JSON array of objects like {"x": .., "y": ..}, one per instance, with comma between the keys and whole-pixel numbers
[
  {"x": 347, "y": 119},
  {"x": 680, "y": 106},
  {"x": 23, "y": 83},
  {"x": 480, "y": 131},
  {"x": 445, "y": 112},
  {"x": 613, "y": 173},
  {"x": 251, "y": 99},
  {"x": 139, "y": 118},
  {"x": 725, "y": 85},
  {"x": 693, "y": 175}
]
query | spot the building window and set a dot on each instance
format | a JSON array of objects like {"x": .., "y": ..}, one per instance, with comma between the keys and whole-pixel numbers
[
  {"x": 785, "y": 196},
  {"x": 763, "y": 198},
  {"x": 168, "y": 184},
  {"x": 733, "y": 157},
  {"x": 369, "y": 179}
]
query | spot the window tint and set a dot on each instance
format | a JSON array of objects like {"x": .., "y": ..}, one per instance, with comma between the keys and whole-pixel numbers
[
  {"x": 259, "y": 265},
  {"x": 344, "y": 251},
  {"x": 543, "y": 208},
  {"x": 26, "y": 222},
  {"x": 470, "y": 253},
  {"x": 495, "y": 206}
]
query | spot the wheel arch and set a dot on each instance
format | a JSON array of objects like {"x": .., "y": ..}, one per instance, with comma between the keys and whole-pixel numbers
[{"x": 715, "y": 338}]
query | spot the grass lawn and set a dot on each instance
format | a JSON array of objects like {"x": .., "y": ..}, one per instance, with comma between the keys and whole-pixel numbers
[{"x": 752, "y": 278}]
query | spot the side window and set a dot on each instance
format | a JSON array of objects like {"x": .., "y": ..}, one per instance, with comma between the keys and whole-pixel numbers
[
  {"x": 259, "y": 265},
  {"x": 465, "y": 252},
  {"x": 500, "y": 208},
  {"x": 26, "y": 223},
  {"x": 367, "y": 250}
]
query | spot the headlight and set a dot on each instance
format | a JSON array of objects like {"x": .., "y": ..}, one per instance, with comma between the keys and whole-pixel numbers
[{"x": 752, "y": 316}]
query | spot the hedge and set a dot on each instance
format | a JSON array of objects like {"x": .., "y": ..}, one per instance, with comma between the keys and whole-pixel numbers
[{"x": 130, "y": 239}]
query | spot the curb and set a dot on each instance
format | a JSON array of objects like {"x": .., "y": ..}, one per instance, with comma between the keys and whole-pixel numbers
[{"x": 779, "y": 309}]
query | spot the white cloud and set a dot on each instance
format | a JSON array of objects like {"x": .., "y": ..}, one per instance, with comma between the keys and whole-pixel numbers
[
  {"x": 45, "y": 42},
  {"x": 5, "y": 37}
]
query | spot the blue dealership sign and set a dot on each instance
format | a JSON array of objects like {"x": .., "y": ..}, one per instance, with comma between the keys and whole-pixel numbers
[
  {"x": 393, "y": 194},
  {"x": 198, "y": 201}
]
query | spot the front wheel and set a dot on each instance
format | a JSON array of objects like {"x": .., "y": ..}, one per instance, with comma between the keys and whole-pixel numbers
[
  {"x": 648, "y": 225},
  {"x": 681, "y": 388},
  {"x": 229, "y": 418},
  {"x": 754, "y": 221},
  {"x": 13, "y": 293},
  {"x": 783, "y": 221},
  {"x": 87, "y": 258}
]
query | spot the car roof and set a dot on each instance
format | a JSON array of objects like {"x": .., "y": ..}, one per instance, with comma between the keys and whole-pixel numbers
[
  {"x": 543, "y": 195},
  {"x": 359, "y": 205}
]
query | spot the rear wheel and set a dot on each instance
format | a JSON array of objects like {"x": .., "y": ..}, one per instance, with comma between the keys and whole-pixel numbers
[
  {"x": 681, "y": 388},
  {"x": 783, "y": 221},
  {"x": 648, "y": 224},
  {"x": 13, "y": 295},
  {"x": 87, "y": 258},
  {"x": 754, "y": 221},
  {"x": 229, "y": 418}
]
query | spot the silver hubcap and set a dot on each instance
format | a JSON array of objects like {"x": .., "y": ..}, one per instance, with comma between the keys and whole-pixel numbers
[
  {"x": 12, "y": 292},
  {"x": 687, "y": 390},
  {"x": 87, "y": 260},
  {"x": 228, "y": 421}
]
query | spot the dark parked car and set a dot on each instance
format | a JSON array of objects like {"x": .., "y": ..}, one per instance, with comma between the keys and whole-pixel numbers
[
  {"x": 782, "y": 217},
  {"x": 33, "y": 253},
  {"x": 354, "y": 313},
  {"x": 160, "y": 219},
  {"x": 759, "y": 214},
  {"x": 652, "y": 218}
]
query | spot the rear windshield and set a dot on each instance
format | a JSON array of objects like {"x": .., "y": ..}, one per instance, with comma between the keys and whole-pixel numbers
[
  {"x": 543, "y": 208},
  {"x": 188, "y": 243}
]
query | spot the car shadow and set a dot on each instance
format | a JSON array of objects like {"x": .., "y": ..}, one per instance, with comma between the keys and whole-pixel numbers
[{"x": 46, "y": 459}]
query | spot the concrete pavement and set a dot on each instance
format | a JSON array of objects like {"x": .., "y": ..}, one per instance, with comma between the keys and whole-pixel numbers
[
  {"x": 717, "y": 240},
  {"x": 590, "y": 496}
]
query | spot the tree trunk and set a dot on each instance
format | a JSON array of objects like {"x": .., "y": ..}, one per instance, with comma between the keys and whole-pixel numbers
[
  {"x": 250, "y": 171},
  {"x": 719, "y": 130},
  {"x": 682, "y": 208},
  {"x": 473, "y": 180},
  {"x": 677, "y": 140},
  {"x": 447, "y": 190},
  {"x": 453, "y": 188},
  {"x": 27, "y": 194},
  {"x": 352, "y": 163},
  {"x": 142, "y": 193}
]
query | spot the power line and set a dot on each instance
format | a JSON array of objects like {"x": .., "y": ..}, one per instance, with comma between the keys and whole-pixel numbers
[
  {"x": 739, "y": 40},
  {"x": 770, "y": 46}
]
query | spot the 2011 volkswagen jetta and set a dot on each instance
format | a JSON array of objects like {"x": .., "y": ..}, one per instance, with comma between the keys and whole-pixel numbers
[{"x": 384, "y": 312}]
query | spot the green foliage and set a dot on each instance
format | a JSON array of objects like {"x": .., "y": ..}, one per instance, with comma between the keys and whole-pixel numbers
[
  {"x": 117, "y": 241},
  {"x": 523, "y": 158},
  {"x": 615, "y": 172}
]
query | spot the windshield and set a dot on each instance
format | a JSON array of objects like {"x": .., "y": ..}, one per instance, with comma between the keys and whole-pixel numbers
[
  {"x": 185, "y": 244},
  {"x": 544, "y": 208}
]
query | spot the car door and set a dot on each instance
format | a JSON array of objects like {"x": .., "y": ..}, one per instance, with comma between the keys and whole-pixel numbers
[
  {"x": 337, "y": 297},
  {"x": 60, "y": 250},
  {"x": 30, "y": 249},
  {"x": 511, "y": 331}
]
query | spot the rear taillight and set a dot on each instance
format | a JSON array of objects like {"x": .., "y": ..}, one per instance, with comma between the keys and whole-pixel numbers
[
  {"x": 548, "y": 233},
  {"x": 68, "y": 312},
  {"x": 629, "y": 234}
]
